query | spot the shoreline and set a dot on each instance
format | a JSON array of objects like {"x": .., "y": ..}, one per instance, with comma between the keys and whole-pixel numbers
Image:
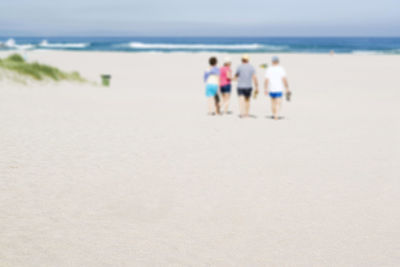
[
  {"x": 372, "y": 53},
  {"x": 313, "y": 45}
]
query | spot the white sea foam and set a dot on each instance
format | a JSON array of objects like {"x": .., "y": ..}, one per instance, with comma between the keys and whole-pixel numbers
[
  {"x": 10, "y": 43},
  {"x": 139, "y": 45},
  {"x": 366, "y": 52},
  {"x": 46, "y": 44}
]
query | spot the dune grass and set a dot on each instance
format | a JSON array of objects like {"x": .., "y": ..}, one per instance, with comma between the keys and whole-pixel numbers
[{"x": 17, "y": 63}]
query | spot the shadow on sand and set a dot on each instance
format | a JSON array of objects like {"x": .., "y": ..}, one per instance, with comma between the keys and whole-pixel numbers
[
  {"x": 248, "y": 117},
  {"x": 272, "y": 117}
]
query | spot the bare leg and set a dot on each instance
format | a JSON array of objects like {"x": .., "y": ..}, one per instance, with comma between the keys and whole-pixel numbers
[
  {"x": 247, "y": 106},
  {"x": 223, "y": 103},
  {"x": 211, "y": 105},
  {"x": 226, "y": 98},
  {"x": 278, "y": 106},
  {"x": 242, "y": 105},
  {"x": 217, "y": 104},
  {"x": 274, "y": 108}
]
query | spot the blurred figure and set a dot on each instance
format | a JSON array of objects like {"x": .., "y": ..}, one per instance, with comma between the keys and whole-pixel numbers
[
  {"x": 246, "y": 76},
  {"x": 275, "y": 82},
  {"x": 225, "y": 84},
  {"x": 211, "y": 78}
]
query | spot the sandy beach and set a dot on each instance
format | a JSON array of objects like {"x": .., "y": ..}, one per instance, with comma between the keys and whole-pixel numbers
[{"x": 136, "y": 174}]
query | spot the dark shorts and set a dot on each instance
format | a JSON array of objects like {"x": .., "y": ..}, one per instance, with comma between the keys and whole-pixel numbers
[
  {"x": 226, "y": 89},
  {"x": 246, "y": 92}
]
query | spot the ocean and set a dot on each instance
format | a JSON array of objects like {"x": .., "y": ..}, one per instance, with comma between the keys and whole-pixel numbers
[{"x": 373, "y": 45}]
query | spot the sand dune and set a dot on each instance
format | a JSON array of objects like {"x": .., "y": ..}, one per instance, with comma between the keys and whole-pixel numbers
[{"x": 137, "y": 175}]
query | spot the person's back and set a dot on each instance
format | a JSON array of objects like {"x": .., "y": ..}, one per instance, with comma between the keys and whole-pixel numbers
[
  {"x": 244, "y": 75},
  {"x": 275, "y": 83},
  {"x": 224, "y": 79},
  {"x": 211, "y": 76},
  {"x": 275, "y": 74}
]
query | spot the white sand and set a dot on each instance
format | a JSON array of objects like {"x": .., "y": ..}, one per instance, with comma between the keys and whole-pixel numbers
[{"x": 137, "y": 175}]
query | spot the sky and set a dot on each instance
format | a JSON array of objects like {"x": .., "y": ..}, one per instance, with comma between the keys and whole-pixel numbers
[{"x": 200, "y": 18}]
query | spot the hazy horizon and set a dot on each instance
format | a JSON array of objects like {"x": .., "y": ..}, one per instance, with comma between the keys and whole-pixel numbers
[
  {"x": 192, "y": 36},
  {"x": 178, "y": 18}
]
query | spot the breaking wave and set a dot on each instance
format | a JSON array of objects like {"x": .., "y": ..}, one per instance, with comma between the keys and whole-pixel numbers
[
  {"x": 45, "y": 44},
  {"x": 205, "y": 47}
]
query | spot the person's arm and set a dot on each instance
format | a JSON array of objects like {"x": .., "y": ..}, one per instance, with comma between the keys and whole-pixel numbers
[
  {"x": 255, "y": 82},
  {"x": 234, "y": 78},
  {"x": 229, "y": 74},
  {"x": 206, "y": 74},
  {"x": 266, "y": 82},
  {"x": 266, "y": 86},
  {"x": 286, "y": 83}
]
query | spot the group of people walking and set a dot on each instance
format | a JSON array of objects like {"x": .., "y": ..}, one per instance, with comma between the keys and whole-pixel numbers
[{"x": 219, "y": 86}]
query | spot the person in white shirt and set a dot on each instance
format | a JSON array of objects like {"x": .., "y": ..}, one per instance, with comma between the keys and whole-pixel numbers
[{"x": 275, "y": 83}]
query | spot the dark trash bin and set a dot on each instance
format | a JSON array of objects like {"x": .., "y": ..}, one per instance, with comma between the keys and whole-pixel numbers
[{"x": 105, "y": 79}]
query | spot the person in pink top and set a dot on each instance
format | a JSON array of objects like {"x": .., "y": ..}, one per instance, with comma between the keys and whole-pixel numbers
[{"x": 225, "y": 85}]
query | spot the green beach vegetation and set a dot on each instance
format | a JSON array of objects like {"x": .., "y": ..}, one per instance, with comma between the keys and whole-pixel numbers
[{"x": 16, "y": 63}]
